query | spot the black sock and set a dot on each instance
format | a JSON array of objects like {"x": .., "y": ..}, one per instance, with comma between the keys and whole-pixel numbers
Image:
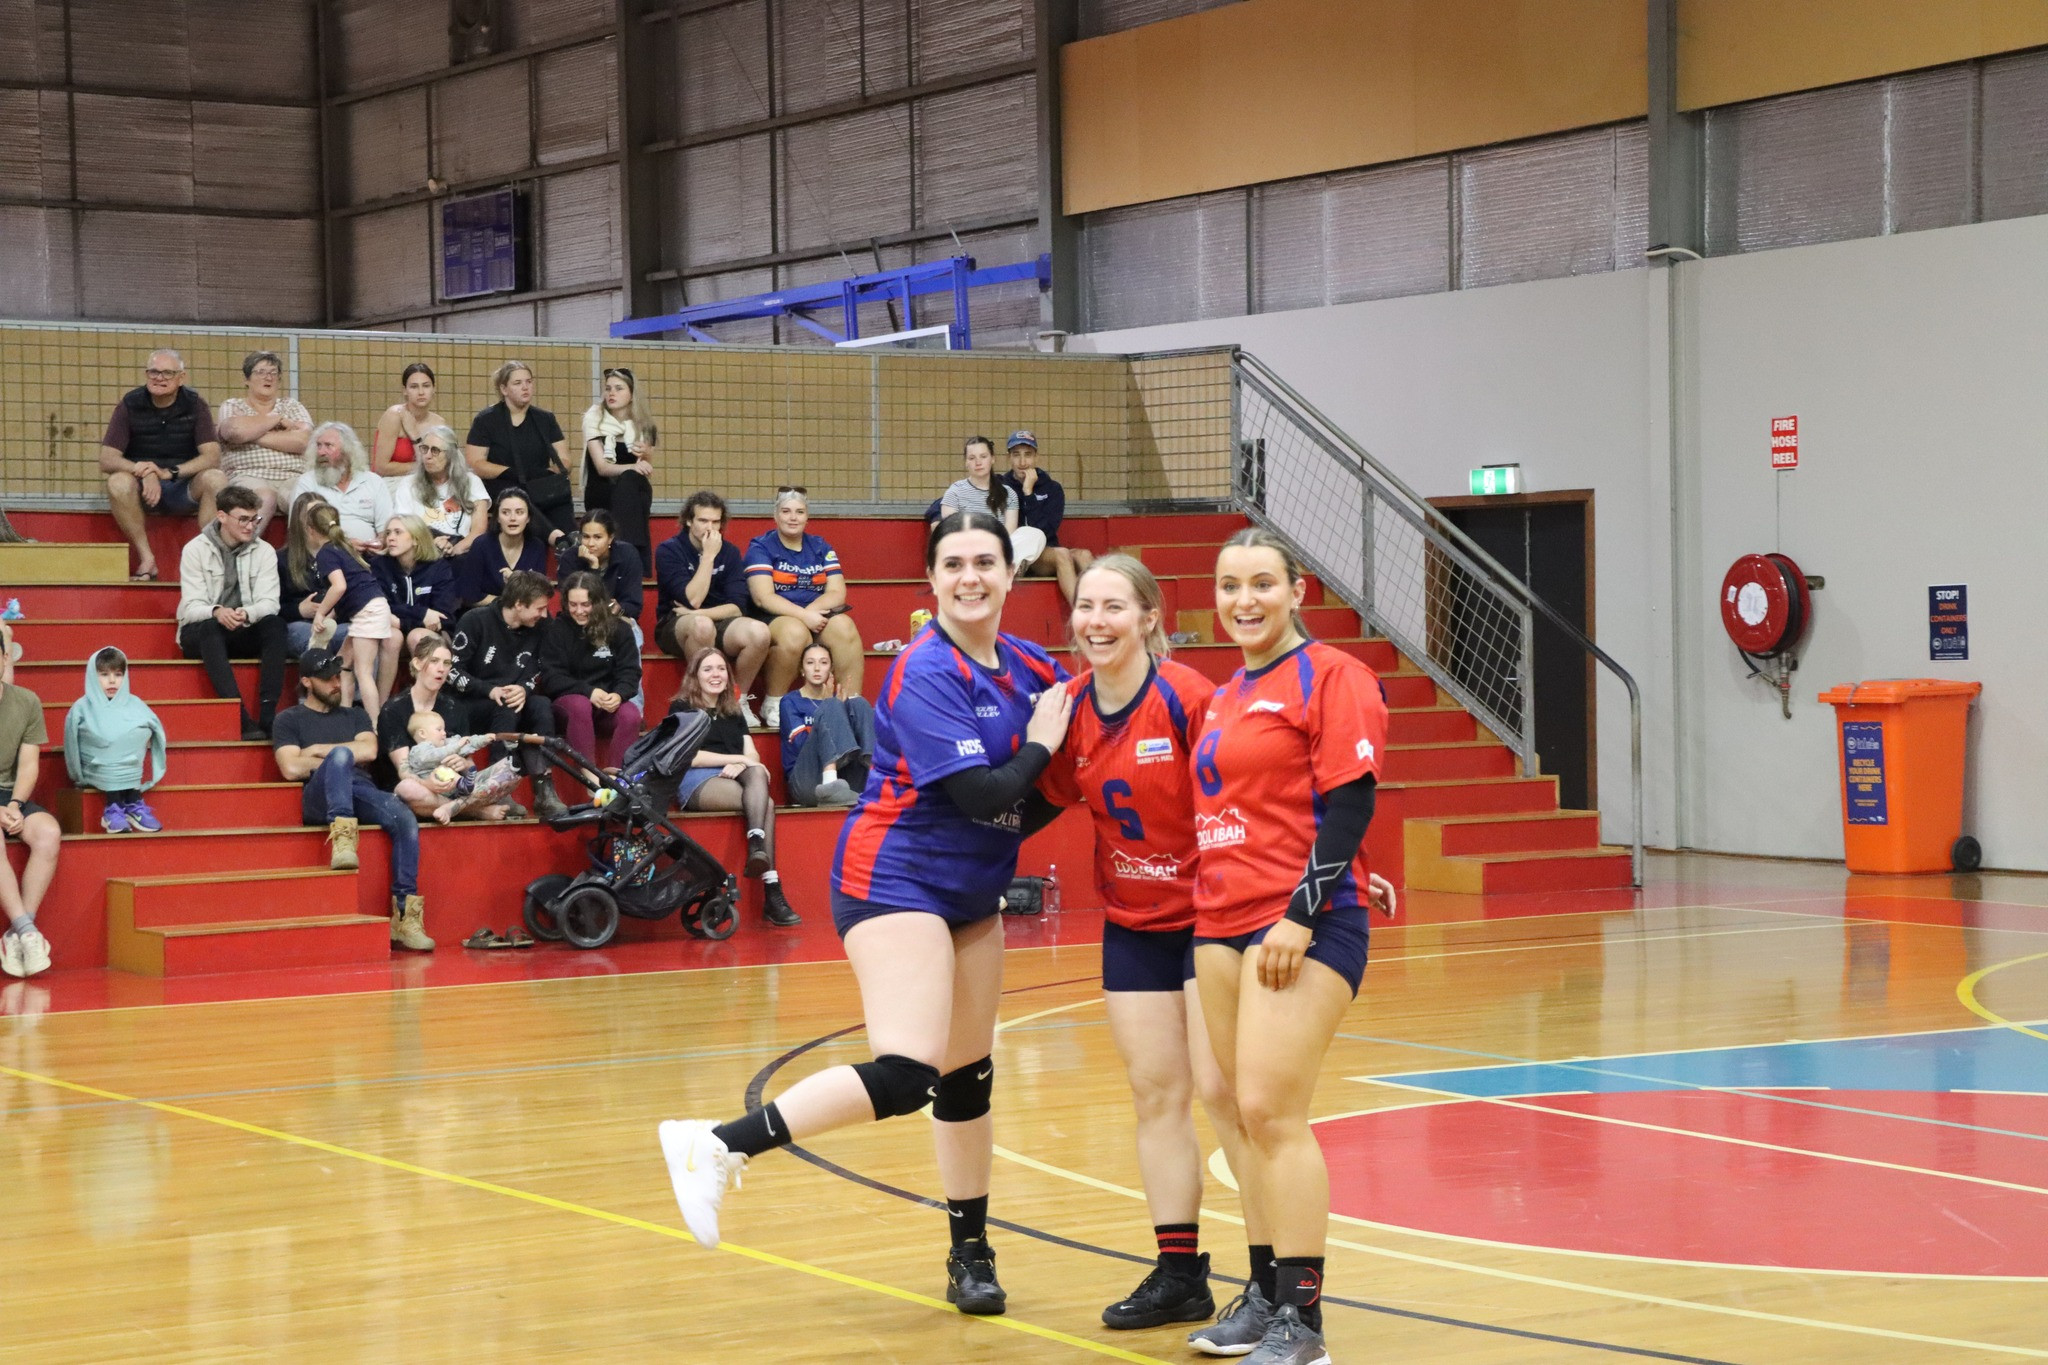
[
  {"x": 969, "y": 1219},
  {"x": 1262, "y": 1269},
  {"x": 125, "y": 798},
  {"x": 1300, "y": 1280},
  {"x": 1180, "y": 1246},
  {"x": 760, "y": 1131}
]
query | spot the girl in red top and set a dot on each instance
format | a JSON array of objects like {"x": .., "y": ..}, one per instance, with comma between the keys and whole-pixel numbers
[
  {"x": 1126, "y": 758},
  {"x": 1284, "y": 771}
]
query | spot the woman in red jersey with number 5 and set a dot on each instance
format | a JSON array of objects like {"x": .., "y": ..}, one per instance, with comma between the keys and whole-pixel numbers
[{"x": 1285, "y": 769}]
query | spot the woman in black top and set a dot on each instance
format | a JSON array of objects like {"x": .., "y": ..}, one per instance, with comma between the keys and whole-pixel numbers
[
  {"x": 598, "y": 549},
  {"x": 590, "y": 670},
  {"x": 513, "y": 544},
  {"x": 513, "y": 444},
  {"x": 727, "y": 773}
]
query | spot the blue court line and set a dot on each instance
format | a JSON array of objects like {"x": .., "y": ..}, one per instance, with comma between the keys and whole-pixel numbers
[{"x": 1523, "y": 1077}]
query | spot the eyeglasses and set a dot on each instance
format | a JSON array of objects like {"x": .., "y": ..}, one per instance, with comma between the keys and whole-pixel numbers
[
  {"x": 423, "y": 448},
  {"x": 242, "y": 518},
  {"x": 163, "y": 374},
  {"x": 263, "y": 372}
]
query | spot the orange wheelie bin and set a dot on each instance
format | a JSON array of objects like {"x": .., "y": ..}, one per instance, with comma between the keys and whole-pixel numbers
[{"x": 1901, "y": 744}]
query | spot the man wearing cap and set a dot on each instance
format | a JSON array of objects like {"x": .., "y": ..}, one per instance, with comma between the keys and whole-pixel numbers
[
  {"x": 1042, "y": 503},
  {"x": 23, "y": 949},
  {"x": 330, "y": 747}
]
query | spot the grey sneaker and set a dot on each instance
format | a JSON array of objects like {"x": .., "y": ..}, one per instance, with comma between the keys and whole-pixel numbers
[
  {"x": 1289, "y": 1342},
  {"x": 1239, "y": 1330},
  {"x": 836, "y": 793}
]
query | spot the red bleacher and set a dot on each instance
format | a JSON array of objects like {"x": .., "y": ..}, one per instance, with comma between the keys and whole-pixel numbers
[{"x": 234, "y": 882}]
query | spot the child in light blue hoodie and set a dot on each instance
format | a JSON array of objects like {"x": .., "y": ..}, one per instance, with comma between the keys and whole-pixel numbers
[{"x": 107, "y": 735}]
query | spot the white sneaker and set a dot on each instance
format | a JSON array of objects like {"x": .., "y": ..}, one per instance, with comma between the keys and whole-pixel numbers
[
  {"x": 10, "y": 954},
  {"x": 35, "y": 951},
  {"x": 771, "y": 712},
  {"x": 698, "y": 1168},
  {"x": 753, "y": 721}
]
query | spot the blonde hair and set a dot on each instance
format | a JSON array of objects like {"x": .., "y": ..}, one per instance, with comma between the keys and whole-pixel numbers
[
  {"x": 425, "y": 549},
  {"x": 298, "y": 554},
  {"x": 327, "y": 522},
  {"x": 1259, "y": 538},
  {"x": 507, "y": 370},
  {"x": 643, "y": 420},
  {"x": 1145, "y": 588},
  {"x": 418, "y": 721}
]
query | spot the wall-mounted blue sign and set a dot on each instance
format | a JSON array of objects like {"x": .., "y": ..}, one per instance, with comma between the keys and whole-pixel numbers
[
  {"x": 1948, "y": 622},
  {"x": 1863, "y": 771},
  {"x": 483, "y": 245}
]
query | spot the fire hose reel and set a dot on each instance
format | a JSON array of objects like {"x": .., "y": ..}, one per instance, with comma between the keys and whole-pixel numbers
[{"x": 1766, "y": 608}]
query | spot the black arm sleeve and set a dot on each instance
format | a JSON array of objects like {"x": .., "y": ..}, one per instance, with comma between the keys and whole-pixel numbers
[
  {"x": 1039, "y": 812},
  {"x": 985, "y": 793},
  {"x": 1346, "y": 813}
]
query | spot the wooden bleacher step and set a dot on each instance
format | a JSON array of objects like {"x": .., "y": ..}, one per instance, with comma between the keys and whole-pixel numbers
[
  {"x": 61, "y": 562},
  {"x": 232, "y": 921}
]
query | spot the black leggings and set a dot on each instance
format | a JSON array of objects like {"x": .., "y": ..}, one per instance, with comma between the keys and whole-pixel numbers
[
  {"x": 628, "y": 497},
  {"x": 747, "y": 794}
]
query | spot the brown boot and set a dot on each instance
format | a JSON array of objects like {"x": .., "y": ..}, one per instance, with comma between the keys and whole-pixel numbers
[
  {"x": 341, "y": 836},
  {"x": 408, "y": 925}
]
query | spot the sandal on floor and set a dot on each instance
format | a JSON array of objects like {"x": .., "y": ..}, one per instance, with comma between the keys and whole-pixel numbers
[
  {"x": 517, "y": 938},
  {"x": 152, "y": 576},
  {"x": 487, "y": 938}
]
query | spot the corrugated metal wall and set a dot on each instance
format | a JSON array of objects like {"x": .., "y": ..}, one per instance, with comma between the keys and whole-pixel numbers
[
  {"x": 890, "y": 171},
  {"x": 1113, "y": 16},
  {"x": 193, "y": 196},
  {"x": 1567, "y": 205}
]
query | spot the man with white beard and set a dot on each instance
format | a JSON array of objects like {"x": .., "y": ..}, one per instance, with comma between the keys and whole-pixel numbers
[{"x": 338, "y": 470}]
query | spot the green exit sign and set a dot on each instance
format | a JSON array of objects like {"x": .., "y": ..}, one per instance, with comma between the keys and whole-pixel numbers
[{"x": 1492, "y": 479}]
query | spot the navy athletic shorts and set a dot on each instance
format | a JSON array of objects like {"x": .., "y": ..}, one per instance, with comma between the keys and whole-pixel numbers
[
  {"x": 1339, "y": 942},
  {"x": 1146, "y": 959},
  {"x": 848, "y": 911}
]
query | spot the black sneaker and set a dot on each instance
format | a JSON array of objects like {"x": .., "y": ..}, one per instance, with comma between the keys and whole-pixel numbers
[
  {"x": 757, "y": 856},
  {"x": 775, "y": 907},
  {"x": 1164, "y": 1297},
  {"x": 971, "y": 1279}
]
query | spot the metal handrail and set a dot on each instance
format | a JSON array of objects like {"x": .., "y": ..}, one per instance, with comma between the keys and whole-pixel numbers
[{"x": 1450, "y": 540}]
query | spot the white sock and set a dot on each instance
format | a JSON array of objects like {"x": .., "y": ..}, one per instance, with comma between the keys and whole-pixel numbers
[{"x": 771, "y": 875}]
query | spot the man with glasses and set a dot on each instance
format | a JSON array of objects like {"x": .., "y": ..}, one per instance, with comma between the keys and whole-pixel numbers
[
  {"x": 227, "y": 605},
  {"x": 160, "y": 454}
]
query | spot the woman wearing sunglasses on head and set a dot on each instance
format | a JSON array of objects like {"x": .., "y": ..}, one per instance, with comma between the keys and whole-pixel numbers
[{"x": 618, "y": 449}]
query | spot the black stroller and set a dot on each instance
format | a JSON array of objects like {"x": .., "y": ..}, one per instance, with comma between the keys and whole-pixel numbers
[{"x": 641, "y": 862}]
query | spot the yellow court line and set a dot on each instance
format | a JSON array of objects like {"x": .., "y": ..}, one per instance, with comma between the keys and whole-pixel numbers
[
  {"x": 1966, "y": 991},
  {"x": 587, "y": 1211},
  {"x": 1545, "y": 1282},
  {"x": 1705, "y": 1137}
]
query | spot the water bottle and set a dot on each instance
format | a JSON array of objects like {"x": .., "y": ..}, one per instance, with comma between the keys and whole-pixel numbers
[{"x": 1052, "y": 890}]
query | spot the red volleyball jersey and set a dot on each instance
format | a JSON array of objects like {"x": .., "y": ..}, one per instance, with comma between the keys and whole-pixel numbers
[
  {"x": 1272, "y": 742},
  {"x": 1131, "y": 771}
]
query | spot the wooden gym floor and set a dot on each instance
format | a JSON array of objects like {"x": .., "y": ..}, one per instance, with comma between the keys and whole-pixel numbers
[{"x": 1766, "y": 1113}]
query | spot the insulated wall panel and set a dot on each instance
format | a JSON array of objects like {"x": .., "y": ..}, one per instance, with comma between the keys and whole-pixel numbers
[
  {"x": 588, "y": 316},
  {"x": 141, "y": 266},
  {"x": 846, "y": 179},
  {"x": 380, "y": 147},
  {"x": 1369, "y": 234},
  {"x": 480, "y": 124},
  {"x": 1541, "y": 209},
  {"x": 1114, "y": 16},
  {"x": 36, "y": 264},
  {"x": 579, "y": 103},
  {"x": 259, "y": 271},
  {"x": 508, "y": 320},
  {"x": 255, "y": 156},
  {"x": 258, "y": 48},
  {"x": 528, "y": 22},
  {"x": 1003, "y": 316},
  {"x": 1166, "y": 262},
  {"x": 2015, "y": 158},
  {"x": 114, "y": 48},
  {"x": 818, "y": 52},
  {"x": 1930, "y": 131},
  {"x": 954, "y": 36},
  {"x": 977, "y": 153},
  {"x": 134, "y": 151},
  {"x": 717, "y": 197},
  {"x": 1797, "y": 169},
  {"x": 384, "y": 261},
  {"x": 579, "y": 227},
  {"x": 377, "y": 41},
  {"x": 723, "y": 59}
]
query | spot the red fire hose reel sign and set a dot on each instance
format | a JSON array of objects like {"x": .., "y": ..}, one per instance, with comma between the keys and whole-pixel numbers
[
  {"x": 1764, "y": 604},
  {"x": 1784, "y": 443}
]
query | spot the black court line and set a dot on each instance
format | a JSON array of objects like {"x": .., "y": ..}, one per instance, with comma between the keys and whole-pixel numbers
[{"x": 758, "y": 1087}]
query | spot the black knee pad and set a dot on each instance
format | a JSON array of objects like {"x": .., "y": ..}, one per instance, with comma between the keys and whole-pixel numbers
[
  {"x": 897, "y": 1085},
  {"x": 964, "y": 1094}
]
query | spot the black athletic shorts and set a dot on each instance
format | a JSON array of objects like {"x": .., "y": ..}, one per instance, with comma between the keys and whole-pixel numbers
[
  {"x": 1339, "y": 942},
  {"x": 1146, "y": 959}
]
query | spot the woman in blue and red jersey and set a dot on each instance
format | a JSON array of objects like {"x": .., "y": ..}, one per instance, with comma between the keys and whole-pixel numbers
[
  {"x": 1285, "y": 771},
  {"x": 1126, "y": 758},
  {"x": 967, "y": 720}
]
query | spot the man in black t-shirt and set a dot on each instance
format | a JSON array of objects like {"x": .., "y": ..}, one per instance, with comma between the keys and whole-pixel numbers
[
  {"x": 160, "y": 454},
  {"x": 330, "y": 747},
  {"x": 497, "y": 676}
]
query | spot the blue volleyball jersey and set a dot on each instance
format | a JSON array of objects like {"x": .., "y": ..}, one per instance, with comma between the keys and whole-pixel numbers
[
  {"x": 906, "y": 844},
  {"x": 800, "y": 575}
]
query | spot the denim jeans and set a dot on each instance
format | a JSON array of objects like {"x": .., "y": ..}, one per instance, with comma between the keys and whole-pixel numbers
[
  {"x": 338, "y": 789},
  {"x": 842, "y": 733}
]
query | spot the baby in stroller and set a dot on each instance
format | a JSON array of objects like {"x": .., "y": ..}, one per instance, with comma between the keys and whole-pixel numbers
[{"x": 433, "y": 754}]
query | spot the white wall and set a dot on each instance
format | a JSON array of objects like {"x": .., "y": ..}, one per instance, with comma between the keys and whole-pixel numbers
[{"x": 1915, "y": 364}]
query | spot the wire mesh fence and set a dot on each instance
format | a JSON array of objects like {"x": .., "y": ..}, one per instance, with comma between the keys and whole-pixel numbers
[
  {"x": 1375, "y": 546},
  {"x": 872, "y": 429}
]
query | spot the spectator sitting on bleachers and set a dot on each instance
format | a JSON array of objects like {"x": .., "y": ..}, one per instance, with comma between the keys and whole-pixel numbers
[
  {"x": 981, "y": 491},
  {"x": 727, "y": 774},
  {"x": 590, "y": 671},
  {"x": 597, "y": 549},
  {"x": 827, "y": 744},
  {"x": 228, "y": 606},
  {"x": 395, "y": 441},
  {"x": 432, "y": 756},
  {"x": 352, "y": 594},
  {"x": 418, "y": 583},
  {"x": 23, "y": 949},
  {"x": 115, "y": 745},
  {"x": 263, "y": 435},
  {"x": 701, "y": 597},
  {"x": 298, "y": 582},
  {"x": 329, "y": 746},
  {"x": 514, "y": 547},
  {"x": 497, "y": 676},
  {"x": 514, "y": 443},
  {"x": 618, "y": 438},
  {"x": 160, "y": 454},
  {"x": 1042, "y": 506},
  {"x": 338, "y": 470},
  {"x": 795, "y": 580},
  {"x": 432, "y": 660},
  {"x": 441, "y": 492}
]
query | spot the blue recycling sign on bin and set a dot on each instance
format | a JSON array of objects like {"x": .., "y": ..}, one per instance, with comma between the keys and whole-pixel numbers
[{"x": 1863, "y": 771}]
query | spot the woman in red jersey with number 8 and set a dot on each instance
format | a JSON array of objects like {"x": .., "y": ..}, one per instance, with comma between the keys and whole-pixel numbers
[{"x": 1285, "y": 769}]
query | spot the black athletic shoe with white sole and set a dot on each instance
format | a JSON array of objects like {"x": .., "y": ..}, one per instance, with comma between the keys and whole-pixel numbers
[
  {"x": 971, "y": 1280},
  {"x": 1164, "y": 1297}
]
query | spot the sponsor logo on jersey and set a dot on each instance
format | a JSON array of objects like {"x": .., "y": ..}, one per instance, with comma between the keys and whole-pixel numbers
[
  {"x": 1274, "y": 706},
  {"x": 1221, "y": 830},
  {"x": 988, "y": 712},
  {"x": 1154, "y": 750},
  {"x": 1365, "y": 748},
  {"x": 963, "y": 748},
  {"x": 1159, "y": 867}
]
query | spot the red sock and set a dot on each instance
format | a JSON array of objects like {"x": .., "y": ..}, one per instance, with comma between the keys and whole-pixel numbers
[{"x": 1180, "y": 1246}]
